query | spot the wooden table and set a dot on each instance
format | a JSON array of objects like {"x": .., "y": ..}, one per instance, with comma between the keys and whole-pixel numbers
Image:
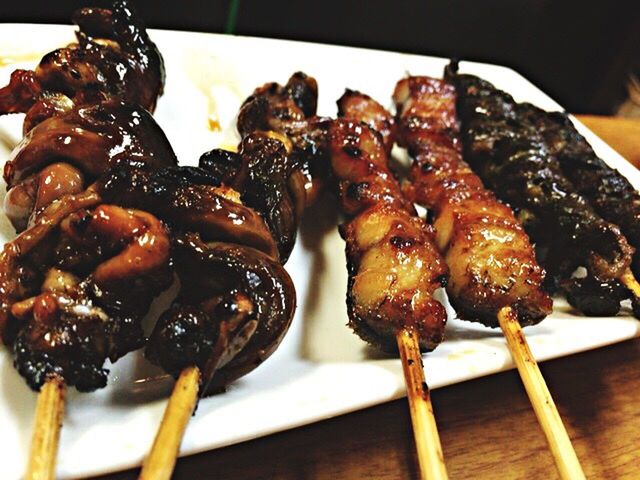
[{"x": 487, "y": 427}]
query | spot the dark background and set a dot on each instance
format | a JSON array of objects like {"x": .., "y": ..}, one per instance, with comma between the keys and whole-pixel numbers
[{"x": 581, "y": 52}]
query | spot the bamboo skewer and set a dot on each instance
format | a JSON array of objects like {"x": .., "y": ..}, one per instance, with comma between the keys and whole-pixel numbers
[
  {"x": 46, "y": 430},
  {"x": 425, "y": 431},
  {"x": 563, "y": 453},
  {"x": 160, "y": 462},
  {"x": 629, "y": 281}
]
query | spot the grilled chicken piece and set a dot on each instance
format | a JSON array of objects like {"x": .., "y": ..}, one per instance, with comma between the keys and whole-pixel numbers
[
  {"x": 113, "y": 58},
  {"x": 66, "y": 153},
  {"x": 513, "y": 159},
  {"x": 394, "y": 266},
  {"x": 359, "y": 106},
  {"x": 491, "y": 261}
]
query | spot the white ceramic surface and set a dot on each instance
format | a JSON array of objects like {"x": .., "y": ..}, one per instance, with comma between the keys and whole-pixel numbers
[{"x": 321, "y": 369}]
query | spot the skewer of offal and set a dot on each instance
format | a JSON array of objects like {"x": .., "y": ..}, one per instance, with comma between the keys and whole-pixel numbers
[
  {"x": 394, "y": 267},
  {"x": 493, "y": 275},
  {"x": 112, "y": 59},
  {"x": 236, "y": 300},
  {"x": 253, "y": 199}
]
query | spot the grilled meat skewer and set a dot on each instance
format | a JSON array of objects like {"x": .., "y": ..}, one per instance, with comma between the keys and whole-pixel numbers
[
  {"x": 491, "y": 262},
  {"x": 77, "y": 282},
  {"x": 513, "y": 159},
  {"x": 394, "y": 266},
  {"x": 226, "y": 260},
  {"x": 235, "y": 303}
]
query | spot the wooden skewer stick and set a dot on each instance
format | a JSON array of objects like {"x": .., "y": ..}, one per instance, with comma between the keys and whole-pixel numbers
[
  {"x": 160, "y": 462},
  {"x": 425, "y": 431},
  {"x": 629, "y": 281},
  {"x": 46, "y": 430},
  {"x": 563, "y": 453}
]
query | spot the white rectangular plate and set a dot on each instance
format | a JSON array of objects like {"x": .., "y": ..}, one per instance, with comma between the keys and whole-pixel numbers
[{"x": 321, "y": 369}]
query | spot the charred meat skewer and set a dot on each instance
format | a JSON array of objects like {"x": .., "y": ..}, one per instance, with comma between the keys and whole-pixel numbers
[
  {"x": 513, "y": 159},
  {"x": 226, "y": 260},
  {"x": 608, "y": 191},
  {"x": 75, "y": 286},
  {"x": 235, "y": 302}
]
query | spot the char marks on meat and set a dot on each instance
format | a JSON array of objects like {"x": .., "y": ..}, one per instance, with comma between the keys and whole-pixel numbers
[
  {"x": 269, "y": 179},
  {"x": 394, "y": 266},
  {"x": 491, "y": 261},
  {"x": 608, "y": 191},
  {"x": 91, "y": 280},
  {"x": 234, "y": 307}
]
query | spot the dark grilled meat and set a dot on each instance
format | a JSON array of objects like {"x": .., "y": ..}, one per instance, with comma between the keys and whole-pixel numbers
[
  {"x": 279, "y": 108},
  {"x": 235, "y": 301},
  {"x": 75, "y": 285},
  {"x": 113, "y": 58},
  {"x": 491, "y": 261},
  {"x": 64, "y": 154},
  {"x": 234, "y": 307},
  {"x": 290, "y": 111},
  {"x": 513, "y": 159},
  {"x": 189, "y": 200},
  {"x": 93, "y": 278},
  {"x": 269, "y": 181},
  {"x": 607, "y": 190}
]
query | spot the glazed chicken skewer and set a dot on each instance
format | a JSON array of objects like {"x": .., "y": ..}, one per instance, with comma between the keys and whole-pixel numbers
[
  {"x": 394, "y": 270},
  {"x": 69, "y": 96},
  {"x": 394, "y": 267},
  {"x": 493, "y": 275}
]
